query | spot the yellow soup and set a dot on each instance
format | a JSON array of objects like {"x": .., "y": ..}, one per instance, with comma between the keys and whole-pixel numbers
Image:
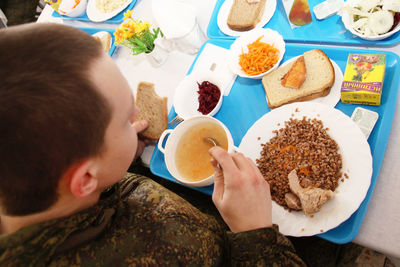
[{"x": 192, "y": 158}]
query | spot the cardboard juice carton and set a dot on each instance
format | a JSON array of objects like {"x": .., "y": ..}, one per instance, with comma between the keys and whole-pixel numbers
[{"x": 363, "y": 79}]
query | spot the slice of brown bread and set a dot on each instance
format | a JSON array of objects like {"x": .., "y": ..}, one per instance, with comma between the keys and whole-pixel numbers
[
  {"x": 244, "y": 16},
  {"x": 320, "y": 76},
  {"x": 152, "y": 108}
]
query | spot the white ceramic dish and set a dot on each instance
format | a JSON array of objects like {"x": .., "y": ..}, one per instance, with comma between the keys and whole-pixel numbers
[
  {"x": 66, "y": 8},
  {"x": 334, "y": 95},
  {"x": 346, "y": 19},
  {"x": 222, "y": 18},
  {"x": 96, "y": 15},
  {"x": 356, "y": 159},
  {"x": 186, "y": 100},
  {"x": 239, "y": 46},
  {"x": 175, "y": 135}
]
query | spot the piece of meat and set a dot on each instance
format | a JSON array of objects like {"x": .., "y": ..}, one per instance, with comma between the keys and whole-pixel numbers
[
  {"x": 311, "y": 199},
  {"x": 296, "y": 76},
  {"x": 292, "y": 201},
  {"x": 307, "y": 183},
  {"x": 294, "y": 182}
]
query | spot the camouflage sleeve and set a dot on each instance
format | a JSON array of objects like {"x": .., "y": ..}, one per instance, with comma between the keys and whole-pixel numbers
[
  {"x": 265, "y": 247},
  {"x": 262, "y": 247}
]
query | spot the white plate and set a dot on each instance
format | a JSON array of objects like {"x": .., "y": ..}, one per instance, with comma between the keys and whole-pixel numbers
[
  {"x": 334, "y": 95},
  {"x": 96, "y": 16},
  {"x": 239, "y": 46},
  {"x": 356, "y": 157},
  {"x": 222, "y": 18},
  {"x": 346, "y": 19}
]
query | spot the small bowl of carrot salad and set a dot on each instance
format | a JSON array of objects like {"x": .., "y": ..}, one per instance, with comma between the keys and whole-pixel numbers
[{"x": 256, "y": 53}]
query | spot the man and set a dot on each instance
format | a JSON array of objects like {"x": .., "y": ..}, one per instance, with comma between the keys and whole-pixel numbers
[{"x": 68, "y": 135}]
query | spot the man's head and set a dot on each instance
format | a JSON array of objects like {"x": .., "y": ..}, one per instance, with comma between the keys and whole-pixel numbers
[{"x": 61, "y": 106}]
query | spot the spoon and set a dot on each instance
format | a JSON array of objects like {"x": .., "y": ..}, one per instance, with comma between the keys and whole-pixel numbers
[
  {"x": 214, "y": 143},
  {"x": 211, "y": 140}
]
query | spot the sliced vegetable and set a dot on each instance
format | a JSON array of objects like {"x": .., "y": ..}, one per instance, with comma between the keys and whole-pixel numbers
[{"x": 260, "y": 58}]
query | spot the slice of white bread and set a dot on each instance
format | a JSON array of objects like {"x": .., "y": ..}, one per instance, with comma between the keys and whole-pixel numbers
[
  {"x": 152, "y": 108},
  {"x": 104, "y": 38},
  {"x": 244, "y": 16},
  {"x": 320, "y": 76}
]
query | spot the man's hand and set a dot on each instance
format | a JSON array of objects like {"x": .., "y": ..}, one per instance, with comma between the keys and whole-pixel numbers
[
  {"x": 139, "y": 127},
  {"x": 241, "y": 193}
]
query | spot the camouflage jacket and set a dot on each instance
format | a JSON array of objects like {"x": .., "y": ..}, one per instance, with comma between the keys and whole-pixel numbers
[{"x": 138, "y": 222}]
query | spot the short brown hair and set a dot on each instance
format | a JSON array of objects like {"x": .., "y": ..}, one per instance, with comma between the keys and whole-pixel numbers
[{"x": 51, "y": 114}]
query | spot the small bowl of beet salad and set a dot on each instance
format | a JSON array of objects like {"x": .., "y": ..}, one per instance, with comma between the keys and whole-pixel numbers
[
  {"x": 198, "y": 94},
  {"x": 210, "y": 99}
]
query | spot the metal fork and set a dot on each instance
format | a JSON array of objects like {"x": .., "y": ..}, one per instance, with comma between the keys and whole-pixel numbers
[{"x": 175, "y": 121}]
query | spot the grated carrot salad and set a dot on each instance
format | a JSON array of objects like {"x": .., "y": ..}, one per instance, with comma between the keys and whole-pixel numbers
[{"x": 260, "y": 58}]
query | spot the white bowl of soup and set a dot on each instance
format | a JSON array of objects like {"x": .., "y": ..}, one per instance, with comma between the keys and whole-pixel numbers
[{"x": 186, "y": 153}]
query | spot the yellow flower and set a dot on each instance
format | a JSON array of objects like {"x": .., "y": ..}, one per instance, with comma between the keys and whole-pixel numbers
[
  {"x": 128, "y": 34},
  {"x": 128, "y": 14},
  {"x": 128, "y": 24},
  {"x": 141, "y": 27},
  {"x": 135, "y": 34},
  {"x": 119, "y": 35}
]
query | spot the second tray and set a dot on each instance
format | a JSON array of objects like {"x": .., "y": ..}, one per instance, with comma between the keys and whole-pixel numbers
[{"x": 330, "y": 30}]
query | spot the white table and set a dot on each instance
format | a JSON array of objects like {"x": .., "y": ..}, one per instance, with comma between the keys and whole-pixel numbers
[{"x": 380, "y": 229}]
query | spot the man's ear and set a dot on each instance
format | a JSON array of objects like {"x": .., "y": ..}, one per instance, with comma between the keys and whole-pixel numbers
[{"x": 83, "y": 181}]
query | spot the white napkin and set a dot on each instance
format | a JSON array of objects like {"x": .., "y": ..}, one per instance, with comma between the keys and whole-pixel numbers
[{"x": 215, "y": 59}]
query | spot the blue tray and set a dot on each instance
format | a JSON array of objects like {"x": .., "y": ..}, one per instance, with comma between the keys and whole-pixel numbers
[
  {"x": 94, "y": 30},
  {"x": 116, "y": 19},
  {"x": 246, "y": 103},
  {"x": 330, "y": 30}
]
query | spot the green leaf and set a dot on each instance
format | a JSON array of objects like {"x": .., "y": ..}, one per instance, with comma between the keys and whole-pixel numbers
[{"x": 143, "y": 43}]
